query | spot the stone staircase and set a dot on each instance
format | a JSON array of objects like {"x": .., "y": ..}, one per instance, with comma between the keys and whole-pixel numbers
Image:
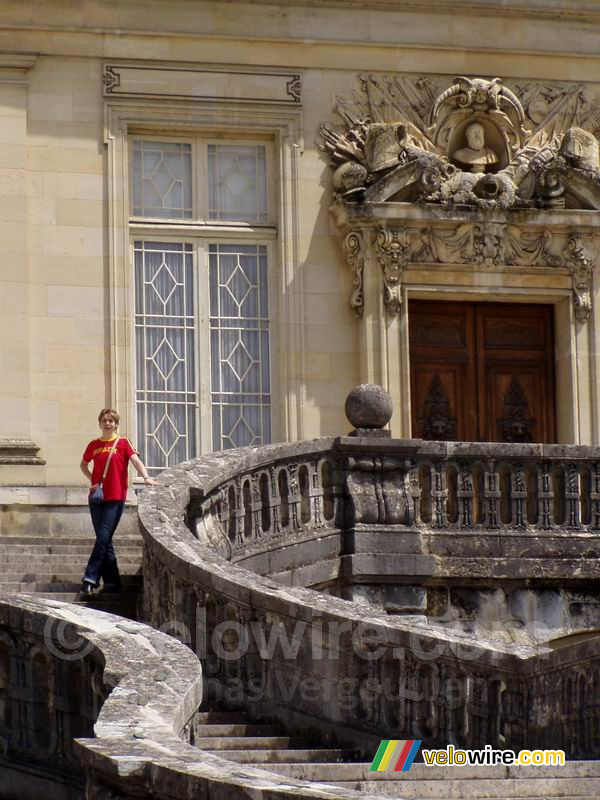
[
  {"x": 576, "y": 780},
  {"x": 52, "y": 567},
  {"x": 229, "y": 734}
]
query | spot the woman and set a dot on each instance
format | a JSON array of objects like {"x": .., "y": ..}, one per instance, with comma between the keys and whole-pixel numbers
[{"x": 106, "y": 514}]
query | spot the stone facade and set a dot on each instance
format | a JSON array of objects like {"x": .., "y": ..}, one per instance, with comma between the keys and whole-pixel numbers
[{"x": 72, "y": 102}]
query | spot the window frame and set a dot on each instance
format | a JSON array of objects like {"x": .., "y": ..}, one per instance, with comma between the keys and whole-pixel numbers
[
  {"x": 200, "y": 199},
  {"x": 215, "y": 120}
]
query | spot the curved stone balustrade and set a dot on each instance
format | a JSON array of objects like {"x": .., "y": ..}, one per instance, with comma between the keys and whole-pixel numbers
[
  {"x": 412, "y": 483},
  {"x": 92, "y": 704},
  {"x": 345, "y": 670}
]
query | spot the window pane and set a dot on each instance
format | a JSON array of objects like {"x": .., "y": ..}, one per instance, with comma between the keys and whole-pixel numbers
[
  {"x": 237, "y": 183},
  {"x": 162, "y": 179},
  {"x": 165, "y": 341},
  {"x": 239, "y": 322}
]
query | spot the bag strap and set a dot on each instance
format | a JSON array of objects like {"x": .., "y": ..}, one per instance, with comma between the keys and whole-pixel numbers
[{"x": 110, "y": 455}]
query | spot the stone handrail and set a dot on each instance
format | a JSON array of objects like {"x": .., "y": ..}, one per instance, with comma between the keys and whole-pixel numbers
[
  {"x": 68, "y": 672},
  {"x": 440, "y": 686},
  {"x": 410, "y": 483}
]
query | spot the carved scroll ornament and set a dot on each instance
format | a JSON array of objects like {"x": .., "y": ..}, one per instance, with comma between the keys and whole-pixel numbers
[{"x": 354, "y": 248}]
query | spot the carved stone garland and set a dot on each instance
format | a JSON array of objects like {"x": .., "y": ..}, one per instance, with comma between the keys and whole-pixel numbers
[{"x": 490, "y": 245}]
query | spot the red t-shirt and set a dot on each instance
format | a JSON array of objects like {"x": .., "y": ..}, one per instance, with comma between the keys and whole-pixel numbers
[{"x": 115, "y": 483}]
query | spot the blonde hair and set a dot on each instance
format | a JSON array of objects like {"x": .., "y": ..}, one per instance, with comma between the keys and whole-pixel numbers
[{"x": 114, "y": 414}]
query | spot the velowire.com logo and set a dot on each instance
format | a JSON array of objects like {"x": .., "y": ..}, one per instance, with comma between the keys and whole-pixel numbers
[{"x": 395, "y": 755}]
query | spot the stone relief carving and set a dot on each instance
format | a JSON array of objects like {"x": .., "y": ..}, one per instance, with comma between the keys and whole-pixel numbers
[
  {"x": 580, "y": 266},
  {"x": 392, "y": 249},
  {"x": 476, "y": 143},
  {"x": 486, "y": 245}
]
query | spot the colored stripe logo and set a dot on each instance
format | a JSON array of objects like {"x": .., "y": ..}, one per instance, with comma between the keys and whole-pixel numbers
[{"x": 395, "y": 755}]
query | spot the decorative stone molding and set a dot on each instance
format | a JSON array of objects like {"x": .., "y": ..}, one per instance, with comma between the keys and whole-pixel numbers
[
  {"x": 487, "y": 244},
  {"x": 392, "y": 250},
  {"x": 354, "y": 248},
  {"x": 195, "y": 83},
  {"x": 581, "y": 266},
  {"x": 477, "y": 173},
  {"x": 477, "y": 142},
  {"x": 15, "y": 66},
  {"x": 19, "y": 451}
]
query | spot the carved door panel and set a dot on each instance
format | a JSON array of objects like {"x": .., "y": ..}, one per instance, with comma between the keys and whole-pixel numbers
[
  {"x": 515, "y": 369},
  {"x": 443, "y": 371},
  {"x": 481, "y": 372}
]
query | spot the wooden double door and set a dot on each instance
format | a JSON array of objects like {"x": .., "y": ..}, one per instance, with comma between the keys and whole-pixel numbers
[{"x": 481, "y": 372}]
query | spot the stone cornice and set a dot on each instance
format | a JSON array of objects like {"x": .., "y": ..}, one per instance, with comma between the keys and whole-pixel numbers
[
  {"x": 544, "y": 9},
  {"x": 19, "y": 451},
  {"x": 15, "y": 66}
]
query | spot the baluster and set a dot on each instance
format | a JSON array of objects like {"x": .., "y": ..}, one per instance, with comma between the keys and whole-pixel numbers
[
  {"x": 439, "y": 494},
  {"x": 595, "y": 497},
  {"x": 316, "y": 497},
  {"x": 414, "y": 495},
  {"x": 572, "y": 498},
  {"x": 491, "y": 496},
  {"x": 275, "y": 502},
  {"x": 257, "y": 529},
  {"x": 545, "y": 497},
  {"x": 239, "y": 513},
  {"x": 518, "y": 496},
  {"x": 465, "y": 497},
  {"x": 294, "y": 496}
]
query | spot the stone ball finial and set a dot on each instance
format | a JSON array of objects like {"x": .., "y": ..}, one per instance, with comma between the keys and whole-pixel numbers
[{"x": 369, "y": 407}]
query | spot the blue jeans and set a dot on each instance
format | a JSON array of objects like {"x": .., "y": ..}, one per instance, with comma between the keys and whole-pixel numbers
[{"x": 103, "y": 561}]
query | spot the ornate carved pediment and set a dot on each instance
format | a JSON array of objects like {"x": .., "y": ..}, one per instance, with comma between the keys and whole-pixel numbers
[
  {"x": 474, "y": 173},
  {"x": 476, "y": 142}
]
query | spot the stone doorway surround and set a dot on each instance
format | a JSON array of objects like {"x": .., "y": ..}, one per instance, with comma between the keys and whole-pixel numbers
[
  {"x": 471, "y": 191},
  {"x": 383, "y": 324}
]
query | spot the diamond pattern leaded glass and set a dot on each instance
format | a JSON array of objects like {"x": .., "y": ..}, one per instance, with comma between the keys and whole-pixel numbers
[
  {"x": 165, "y": 353},
  {"x": 162, "y": 179},
  {"x": 237, "y": 182},
  {"x": 239, "y": 340}
]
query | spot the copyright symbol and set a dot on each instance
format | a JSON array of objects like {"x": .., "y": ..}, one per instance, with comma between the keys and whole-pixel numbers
[{"x": 63, "y": 642}]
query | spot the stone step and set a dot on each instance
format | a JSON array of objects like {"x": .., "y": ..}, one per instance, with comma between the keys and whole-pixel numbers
[
  {"x": 360, "y": 771},
  {"x": 239, "y": 729},
  {"x": 218, "y": 717},
  {"x": 63, "y": 549},
  {"x": 52, "y": 539},
  {"x": 73, "y": 597},
  {"x": 74, "y": 573},
  {"x": 69, "y": 585},
  {"x": 504, "y": 789},
  {"x": 9, "y": 563},
  {"x": 247, "y": 742},
  {"x": 578, "y": 780},
  {"x": 284, "y": 756}
]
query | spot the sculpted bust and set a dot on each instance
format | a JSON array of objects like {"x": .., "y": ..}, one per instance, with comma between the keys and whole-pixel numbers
[{"x": 477, "y": 156}]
